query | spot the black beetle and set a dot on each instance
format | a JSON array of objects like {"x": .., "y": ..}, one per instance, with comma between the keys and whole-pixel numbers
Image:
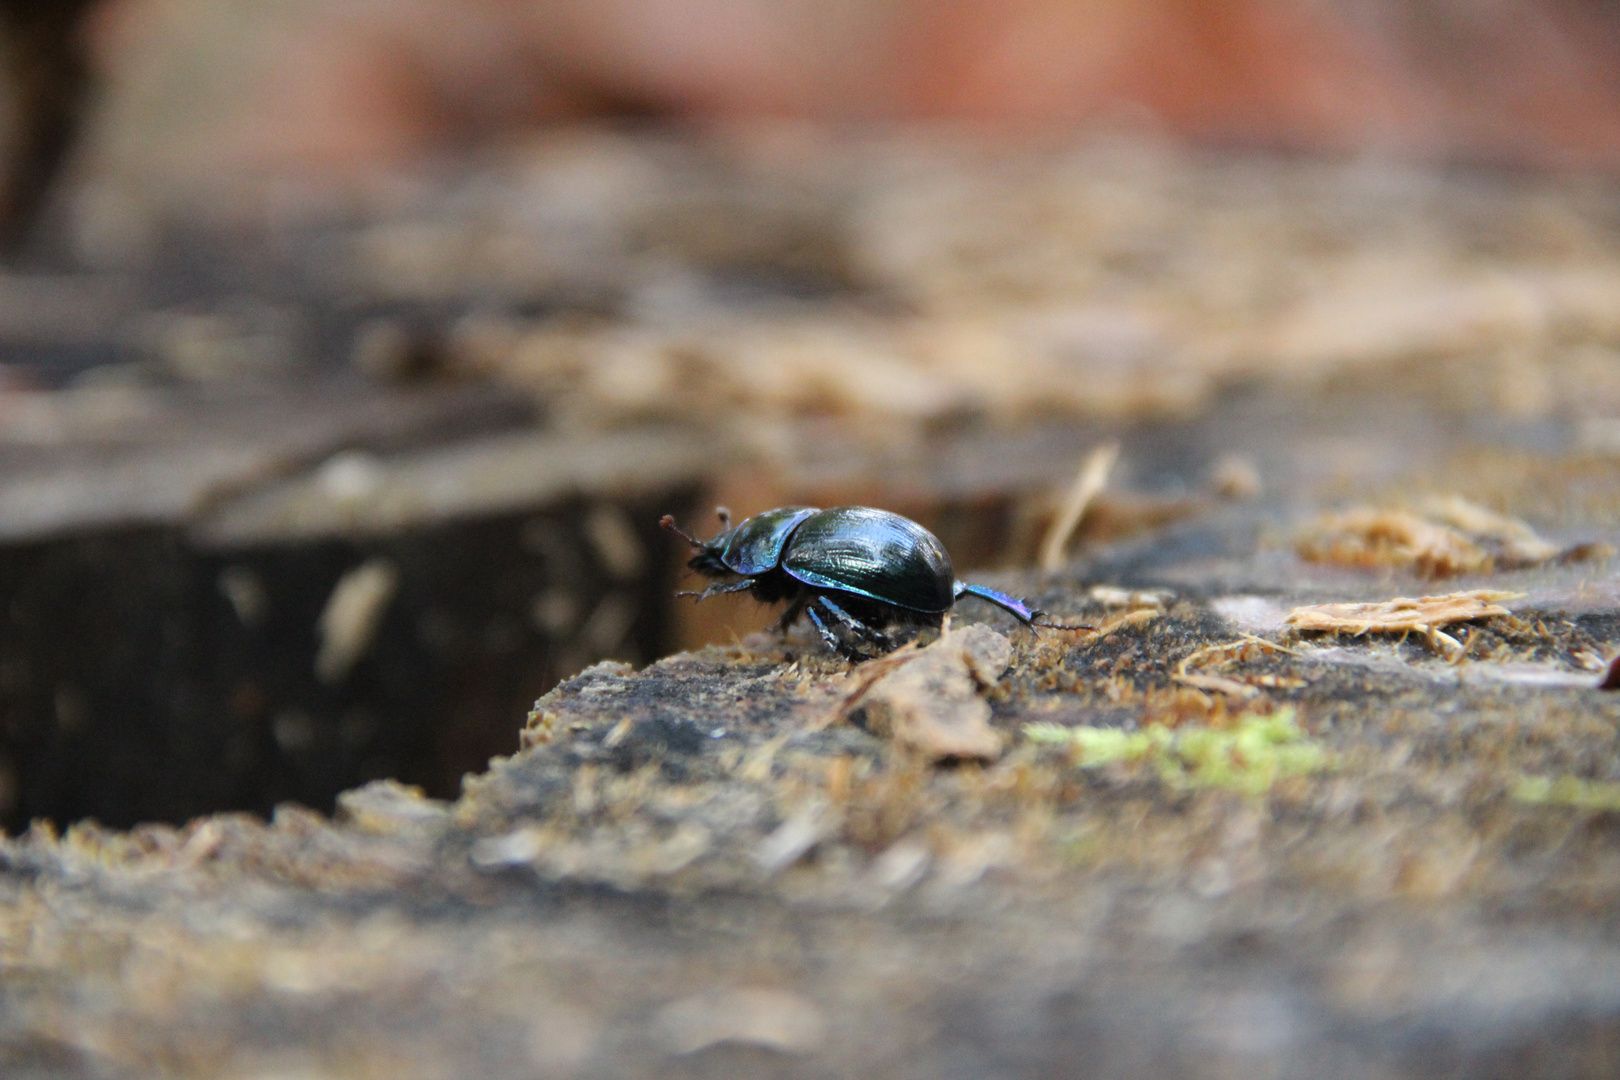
[{"x": 857, "y": 572}]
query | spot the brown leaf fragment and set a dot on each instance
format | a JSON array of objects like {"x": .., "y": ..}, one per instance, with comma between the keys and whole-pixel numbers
[{"x": 930, "y": 701}]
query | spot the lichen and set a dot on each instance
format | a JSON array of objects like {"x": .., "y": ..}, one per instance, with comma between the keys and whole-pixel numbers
[{"x": 1250, "y": 755}]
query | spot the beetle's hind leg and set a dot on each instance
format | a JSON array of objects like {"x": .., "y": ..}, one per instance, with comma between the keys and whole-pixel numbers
[{"x": 1018, "y": 609}]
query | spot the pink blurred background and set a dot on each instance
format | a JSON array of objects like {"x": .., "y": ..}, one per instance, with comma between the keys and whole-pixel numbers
[{"x": 337, "y": 88}]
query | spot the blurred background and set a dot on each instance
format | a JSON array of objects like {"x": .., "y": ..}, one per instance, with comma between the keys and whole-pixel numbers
[{"x": 349, "y": 349}]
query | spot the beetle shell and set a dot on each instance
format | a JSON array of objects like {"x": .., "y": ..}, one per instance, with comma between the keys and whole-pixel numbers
[
  {"x": 868, "y": 579},
  {"x": 755, "y": 545},
  {"x": 875, "y": 554}
]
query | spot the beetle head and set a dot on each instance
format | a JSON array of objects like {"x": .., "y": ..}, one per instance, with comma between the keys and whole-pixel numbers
[{"x": 707, "y": 560}]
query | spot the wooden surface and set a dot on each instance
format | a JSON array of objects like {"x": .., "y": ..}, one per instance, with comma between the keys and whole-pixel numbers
[{"x": 1204, "y": 844}]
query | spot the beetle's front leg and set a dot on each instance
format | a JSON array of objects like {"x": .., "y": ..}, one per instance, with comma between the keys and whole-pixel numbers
[
  {"x": 835, "y": 642},
  {"x": 721, "y": 588},
  {"x": 854, "y": 625},
  {"x": 794, "y": 610}
]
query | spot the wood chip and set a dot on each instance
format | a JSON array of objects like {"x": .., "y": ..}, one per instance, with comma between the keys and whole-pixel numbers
[
  {"x": 1424, "y": 615},
  {"x": 929, "y": 700}
]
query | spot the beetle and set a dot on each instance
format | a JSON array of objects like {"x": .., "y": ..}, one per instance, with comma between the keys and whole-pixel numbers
[{"x": 868, "y": 579}]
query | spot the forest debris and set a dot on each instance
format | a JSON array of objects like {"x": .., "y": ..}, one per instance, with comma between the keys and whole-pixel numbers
[
  {"x": 902, "y": 865},
  {"x": 1088, "y": 484},
  {"x": 1367, "y": 538},
  {"x": 624, "y": 861},
  {"x": 1236, "y": 476},
  {"x": 1403, "y": 615},
  {"x": 929, "y": 701},
  {"x": 1137, "y": 617},
  {"x": 1218, "y": 684},
  {"x": 1520, "y": 546},
  {"x": 1446, "y": 536}
]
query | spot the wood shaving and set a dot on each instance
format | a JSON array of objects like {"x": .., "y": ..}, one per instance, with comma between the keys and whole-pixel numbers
[
  {"x": 1218, "y": 684},
  {"x": 1368, "y": 538},
  {"x": 1424, "y": 615}
]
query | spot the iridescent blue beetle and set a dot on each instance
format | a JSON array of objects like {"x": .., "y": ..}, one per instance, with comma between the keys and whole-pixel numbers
[{"x": 869, "y": 580}]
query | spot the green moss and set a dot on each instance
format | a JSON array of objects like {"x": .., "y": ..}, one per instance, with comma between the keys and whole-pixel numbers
[
  {"x": 1567, "y": 791},
  {"x": 1249, "y": 756}
]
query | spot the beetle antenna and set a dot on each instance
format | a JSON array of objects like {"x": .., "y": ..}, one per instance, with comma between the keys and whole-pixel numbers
[
  {"x": 724, "y": 514},
  {"x": 668, "y": 522}
]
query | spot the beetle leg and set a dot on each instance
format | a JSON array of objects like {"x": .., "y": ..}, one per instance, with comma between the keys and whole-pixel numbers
[
  {"x": 794, "y": 610},
  {"x": 721, "y": 588},
  {"x": 1018, "y": 609},
  {"x": 854, "y": 625},
  {"x": 834, "y": 642}
]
